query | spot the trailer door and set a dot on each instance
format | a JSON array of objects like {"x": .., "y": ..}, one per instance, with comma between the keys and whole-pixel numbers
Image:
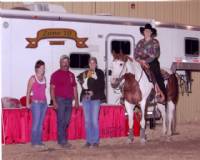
[{"x": 116, "y": 42}]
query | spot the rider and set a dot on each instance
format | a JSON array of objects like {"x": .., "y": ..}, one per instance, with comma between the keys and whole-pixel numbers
[{"x": 147, "y": 52}]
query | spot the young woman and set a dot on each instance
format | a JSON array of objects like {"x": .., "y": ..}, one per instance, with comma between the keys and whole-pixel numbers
[{"x": 37, "y": 86}]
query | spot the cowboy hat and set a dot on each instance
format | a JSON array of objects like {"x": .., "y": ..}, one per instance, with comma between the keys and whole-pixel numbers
[{"x": 148, "y": 26}]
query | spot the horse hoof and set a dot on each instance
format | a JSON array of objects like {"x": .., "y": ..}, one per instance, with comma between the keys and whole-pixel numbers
[
  {"x": 169, "y": 134},
  {"x": 163, "y": 138},
  {"x": 175, "y": 133},
  {"x": 129, "y": 141},
  {"x": 143, "y": 141},
  {"x": 164, "y": 132},
  {"x": 168, "y": 139}
]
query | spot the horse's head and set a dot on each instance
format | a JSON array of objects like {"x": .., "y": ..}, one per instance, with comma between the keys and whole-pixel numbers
[{"x": 119, "y": 68}]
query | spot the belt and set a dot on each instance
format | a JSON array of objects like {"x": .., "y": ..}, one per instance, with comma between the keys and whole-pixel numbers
[{"x": 39, "y": 101}]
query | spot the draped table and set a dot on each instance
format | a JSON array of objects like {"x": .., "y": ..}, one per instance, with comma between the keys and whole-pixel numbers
[{"x": 16, "y": 124}]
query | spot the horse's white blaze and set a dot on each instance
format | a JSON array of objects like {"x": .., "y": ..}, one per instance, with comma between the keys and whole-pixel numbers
[{"x": 117, "y": 69}]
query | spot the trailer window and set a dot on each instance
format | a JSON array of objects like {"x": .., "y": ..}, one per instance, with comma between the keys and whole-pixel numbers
[
  {"x": 79, "y": 60},
  {"x": 123, "y": 46},
  {"x": 191, "y": 46}
]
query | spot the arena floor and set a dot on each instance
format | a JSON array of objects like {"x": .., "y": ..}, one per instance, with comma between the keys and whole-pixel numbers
[{"x": 185, "y": 145}]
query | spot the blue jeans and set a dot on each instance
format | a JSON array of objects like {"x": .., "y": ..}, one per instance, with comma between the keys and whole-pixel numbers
[
  {"x": 38, "y": 115},
  {"x": 64, "y": 111},
  {"x": 91, "y": 113}
]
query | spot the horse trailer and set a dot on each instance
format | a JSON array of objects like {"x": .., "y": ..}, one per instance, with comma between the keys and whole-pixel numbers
[{"x": 26, "y": 36}]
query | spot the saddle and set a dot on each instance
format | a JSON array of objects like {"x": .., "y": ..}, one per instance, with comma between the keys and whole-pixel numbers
[
  {"x": 165, "y": 75},
  {"x": 171, "y": 88},
  {"x": 151, "y": 78}
]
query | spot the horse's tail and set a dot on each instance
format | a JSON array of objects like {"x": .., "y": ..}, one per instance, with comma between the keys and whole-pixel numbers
[{"x": 172, "y": 88}]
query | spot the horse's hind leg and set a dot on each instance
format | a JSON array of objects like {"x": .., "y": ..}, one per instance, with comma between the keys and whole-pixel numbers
[
  {"x": 171, "y": 114},
  {"x": 129, "y": 109},
  {"x": 142, "y": 122},
  {"x": 162, "y": 110}
]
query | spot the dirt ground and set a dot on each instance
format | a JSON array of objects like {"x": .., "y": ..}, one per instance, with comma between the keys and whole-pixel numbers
[{"x": 185, "y": 145}]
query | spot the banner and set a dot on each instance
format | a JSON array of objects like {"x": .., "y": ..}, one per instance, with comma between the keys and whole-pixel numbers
[{"x": 50, "y": 33}]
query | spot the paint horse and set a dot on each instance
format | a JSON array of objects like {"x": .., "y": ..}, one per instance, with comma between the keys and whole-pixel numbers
[{"x": 136, "y": 88}]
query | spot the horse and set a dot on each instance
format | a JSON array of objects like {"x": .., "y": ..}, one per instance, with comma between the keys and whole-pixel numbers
[{"x": 126, "y": 70}]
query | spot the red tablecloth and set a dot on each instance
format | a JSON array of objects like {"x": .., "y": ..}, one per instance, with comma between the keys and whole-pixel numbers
[{"x": 16, "y": 125}]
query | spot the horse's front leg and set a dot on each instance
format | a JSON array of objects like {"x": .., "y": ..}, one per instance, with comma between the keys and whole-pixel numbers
[
  {"x": 143, "y": 122},
  {"x": 130, "y": 110}
]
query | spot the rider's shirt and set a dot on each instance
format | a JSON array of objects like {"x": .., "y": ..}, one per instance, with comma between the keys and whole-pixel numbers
[{"x": 147, "y": 50}]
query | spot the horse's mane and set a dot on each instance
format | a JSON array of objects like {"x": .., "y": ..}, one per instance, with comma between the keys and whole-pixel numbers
[
  {"x": 122, "y": 57},
  {"x": 134, "y": 65}
]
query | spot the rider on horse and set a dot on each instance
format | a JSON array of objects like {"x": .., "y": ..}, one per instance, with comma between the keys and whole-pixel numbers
[{"x": 147, "y": 53}]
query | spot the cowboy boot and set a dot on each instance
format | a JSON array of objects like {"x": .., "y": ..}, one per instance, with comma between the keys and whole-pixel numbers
[{"x": 160, "y": 97}]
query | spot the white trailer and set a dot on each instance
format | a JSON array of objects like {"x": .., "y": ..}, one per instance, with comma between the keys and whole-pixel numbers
[{"x": 27, "y": 36}]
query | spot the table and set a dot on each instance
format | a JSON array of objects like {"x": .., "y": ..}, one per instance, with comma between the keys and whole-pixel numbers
[
  {"x": 191, "y": 66},
  {"x": 16, "y": 124}
]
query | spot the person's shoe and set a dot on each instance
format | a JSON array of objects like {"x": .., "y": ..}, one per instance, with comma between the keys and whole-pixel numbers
[
  {"x": 60, "y": 146},
  {"x": 95, "y": 145},
  {"x": 86, "y": 145},
  {"x": 65, "y": 145},
  {"x": 38, "y": 146}
]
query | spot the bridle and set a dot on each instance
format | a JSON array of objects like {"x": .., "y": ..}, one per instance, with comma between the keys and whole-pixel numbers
[
  {"x": 119, "y": 80},
  {"x": 119, "y": 85}
]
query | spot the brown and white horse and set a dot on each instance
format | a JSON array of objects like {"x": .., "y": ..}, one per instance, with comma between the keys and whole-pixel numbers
[{"x": 128, "y": 73}]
